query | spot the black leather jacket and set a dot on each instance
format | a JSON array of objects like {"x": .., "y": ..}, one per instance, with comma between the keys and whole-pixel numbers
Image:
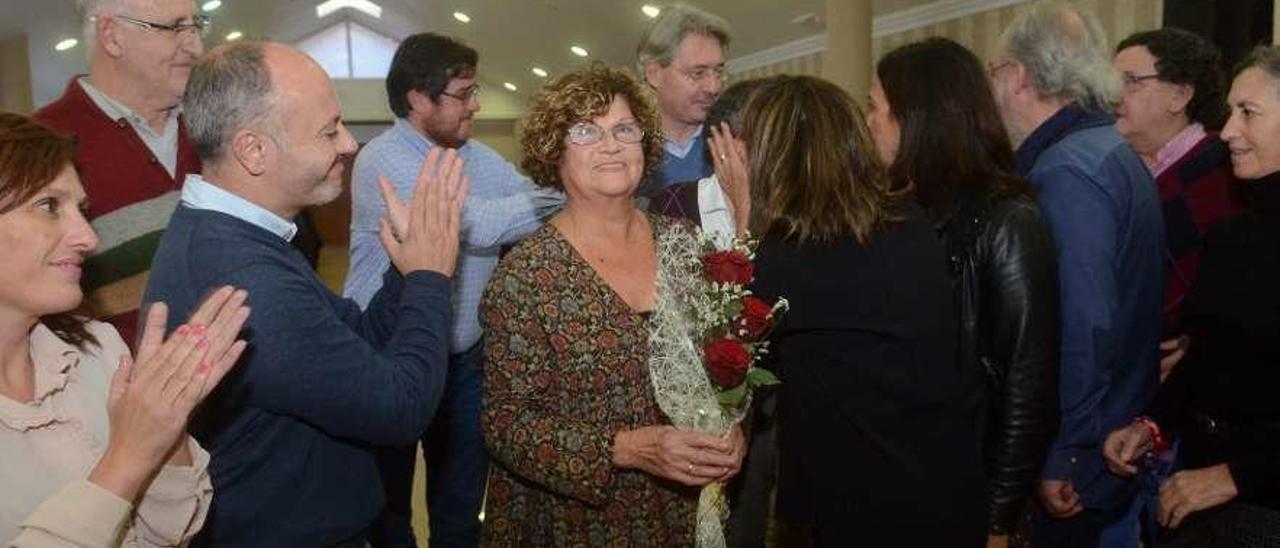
[{"x": 1004, "y": 265}]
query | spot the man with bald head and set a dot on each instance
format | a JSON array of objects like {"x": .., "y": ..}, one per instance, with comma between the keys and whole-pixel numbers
[
  {"x": 133, "y": 153},
  {"x": 290, "y": 429}
]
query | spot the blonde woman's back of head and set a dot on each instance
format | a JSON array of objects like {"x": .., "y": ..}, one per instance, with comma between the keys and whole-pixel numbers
[{"x": 814, "y": 171}]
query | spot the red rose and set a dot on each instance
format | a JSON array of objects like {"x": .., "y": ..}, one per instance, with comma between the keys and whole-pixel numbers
[
  {"x": 728, "y": 267},
  {"x": 727, "y": 362},
  {"x": 754, "y": 320}
]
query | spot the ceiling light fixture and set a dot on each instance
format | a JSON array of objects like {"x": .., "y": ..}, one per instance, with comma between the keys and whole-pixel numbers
[
  {"x": 651, "y": 11},
  {"x": 366, "y": 6},
  {"x": 211, "y": 5},
  {"x": 509, "y": 86},
  {"x": 462, "y": 17},
  {"x": 234, "y": 35},
  {"x": 540, "y": 72},
  {"x": 579, "y": 51},
  {"x": 66, "y": 44}
]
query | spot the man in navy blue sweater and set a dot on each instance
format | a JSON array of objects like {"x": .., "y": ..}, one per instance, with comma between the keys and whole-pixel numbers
[{"x": 290, "y": 431}]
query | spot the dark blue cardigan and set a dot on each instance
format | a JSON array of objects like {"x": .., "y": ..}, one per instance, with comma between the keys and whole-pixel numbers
[{"x": 290, "y": 428}]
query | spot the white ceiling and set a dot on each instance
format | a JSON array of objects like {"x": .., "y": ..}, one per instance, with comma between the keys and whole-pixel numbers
[{"x": 510, "y": 35}]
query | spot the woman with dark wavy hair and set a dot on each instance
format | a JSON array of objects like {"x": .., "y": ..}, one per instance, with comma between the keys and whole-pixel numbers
[
  {"x": 878, "y": 432},
  {"x": 93, "y": 446},
  {"x": 948, "y": 145}
]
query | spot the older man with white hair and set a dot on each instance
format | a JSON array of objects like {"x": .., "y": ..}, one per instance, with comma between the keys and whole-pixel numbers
[
  {"x": 1053, "y": 82},
  {"x": 133, "y": 151}
]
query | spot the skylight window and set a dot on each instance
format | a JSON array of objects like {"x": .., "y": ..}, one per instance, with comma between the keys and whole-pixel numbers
[{"x": 349, "y": 50}]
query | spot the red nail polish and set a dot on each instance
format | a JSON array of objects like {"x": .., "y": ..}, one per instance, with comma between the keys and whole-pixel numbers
[
  {"x": 202, "y": 344},
  {"x": 202, "y": 368},
  {"x": 182, "y": 329},
  {"x": 198, "y": 329}
]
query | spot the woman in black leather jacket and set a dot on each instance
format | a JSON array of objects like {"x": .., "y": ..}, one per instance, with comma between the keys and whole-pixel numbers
[{"x": 937, "y": 127}]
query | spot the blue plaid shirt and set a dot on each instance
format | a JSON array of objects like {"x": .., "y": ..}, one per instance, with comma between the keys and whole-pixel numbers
[{"x": 502, "y": 206}]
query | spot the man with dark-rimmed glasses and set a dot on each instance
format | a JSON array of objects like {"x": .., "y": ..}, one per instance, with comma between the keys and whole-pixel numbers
[
  {"x": 433, "y": 90},
  {"x": 133, "y": 151}
]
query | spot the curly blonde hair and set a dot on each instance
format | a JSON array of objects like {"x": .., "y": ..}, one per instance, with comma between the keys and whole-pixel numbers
[{"x": 581, "y": 96}]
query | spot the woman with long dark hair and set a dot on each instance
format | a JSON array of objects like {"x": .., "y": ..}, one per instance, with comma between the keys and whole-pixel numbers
[
  {"x": 946, "y": 143},
  {"x": 878, "y": 433}
]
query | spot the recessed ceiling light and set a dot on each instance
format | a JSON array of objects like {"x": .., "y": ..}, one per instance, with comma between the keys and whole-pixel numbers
[
  {"x": 329, "y": 6},
  {"x": 579, "y": 51},
  {"x": 211, "y": 5},
  {"x": 66, "y": 44},
  {"x": 540, "y": 72},
  {"x": 509, "y": 86},
  {"x": 462, "y": 17},
  {"x": 234, "y": 35},
  {"x": 651, "y": 11}
]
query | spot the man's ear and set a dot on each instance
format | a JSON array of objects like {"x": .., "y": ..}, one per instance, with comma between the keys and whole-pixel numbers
[
  {"x": 253, "y": 150},
  {"x": 107, "y": 34},
  {"x": 652, "y": 73},
  {"x": 1022, "y": 77},
  {"x": 420, "y": 101},
  {"x": 1182, "y": 95}
]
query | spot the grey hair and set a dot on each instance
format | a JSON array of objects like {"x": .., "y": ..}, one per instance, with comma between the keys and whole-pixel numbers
[
  {"x": 1266, "y": 58},
  {"x": 1064, "y": 49},
  {"x": 88, "y": 10},
  {"x": 676, "y": 21},
  {"x": 229, "y": 89}
]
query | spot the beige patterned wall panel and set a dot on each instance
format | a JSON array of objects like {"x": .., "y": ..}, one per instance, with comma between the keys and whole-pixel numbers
[{"x": 981, "y": 32}]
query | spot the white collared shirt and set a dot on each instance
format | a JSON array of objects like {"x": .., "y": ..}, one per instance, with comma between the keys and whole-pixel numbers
[
  {"x": 198, "y": 193},
  {"x": 716, "y": 212}
]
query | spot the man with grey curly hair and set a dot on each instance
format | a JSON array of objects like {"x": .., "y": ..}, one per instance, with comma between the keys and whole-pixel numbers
[
  {"x": 1053, "y": 83},
  {"x": 681, "y": 57}
]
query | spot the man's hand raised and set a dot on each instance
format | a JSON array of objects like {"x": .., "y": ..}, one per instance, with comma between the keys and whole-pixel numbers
[{"x": 423, "y": 234}]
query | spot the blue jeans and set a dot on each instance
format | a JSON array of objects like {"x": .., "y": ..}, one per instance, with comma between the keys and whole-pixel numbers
[{"x": 457, "y": 467}]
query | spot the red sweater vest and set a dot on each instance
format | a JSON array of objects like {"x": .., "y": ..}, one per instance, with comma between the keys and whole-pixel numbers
[{"x": 130, "y": 198}]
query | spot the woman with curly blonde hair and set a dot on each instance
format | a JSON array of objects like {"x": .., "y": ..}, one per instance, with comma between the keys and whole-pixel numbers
[{"x": 583, "y": 454}]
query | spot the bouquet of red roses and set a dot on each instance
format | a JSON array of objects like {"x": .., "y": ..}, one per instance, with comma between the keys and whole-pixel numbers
[
  {"x": 705, "y": 334},
  {"x": 734, "y": 323}
]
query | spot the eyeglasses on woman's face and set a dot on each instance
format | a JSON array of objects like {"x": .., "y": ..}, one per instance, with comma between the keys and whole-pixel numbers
[{"x": 588, "y": 133}]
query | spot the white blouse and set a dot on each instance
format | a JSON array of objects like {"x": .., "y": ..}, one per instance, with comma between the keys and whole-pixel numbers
[{"x": 49, "y": 446}]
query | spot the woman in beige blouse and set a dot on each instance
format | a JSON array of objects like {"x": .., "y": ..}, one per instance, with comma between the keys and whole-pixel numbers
[{"x": 93, "y": 450}]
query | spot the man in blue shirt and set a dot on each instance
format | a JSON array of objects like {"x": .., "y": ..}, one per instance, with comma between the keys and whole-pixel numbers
[
  {"x": 289, "y": 430},
  {"x": 681, "y": 56},
  {"x": 1052, "y": 80},
  {"x": 432, "y": 89}
]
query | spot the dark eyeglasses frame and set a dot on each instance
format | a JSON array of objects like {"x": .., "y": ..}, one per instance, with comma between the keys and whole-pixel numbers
[
  {"x": 1135, "y": 79},
  {"x": 464, "y": 94}
]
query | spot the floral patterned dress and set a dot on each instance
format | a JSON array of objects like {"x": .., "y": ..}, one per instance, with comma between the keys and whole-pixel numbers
[{"x": 566, "y": 370}]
